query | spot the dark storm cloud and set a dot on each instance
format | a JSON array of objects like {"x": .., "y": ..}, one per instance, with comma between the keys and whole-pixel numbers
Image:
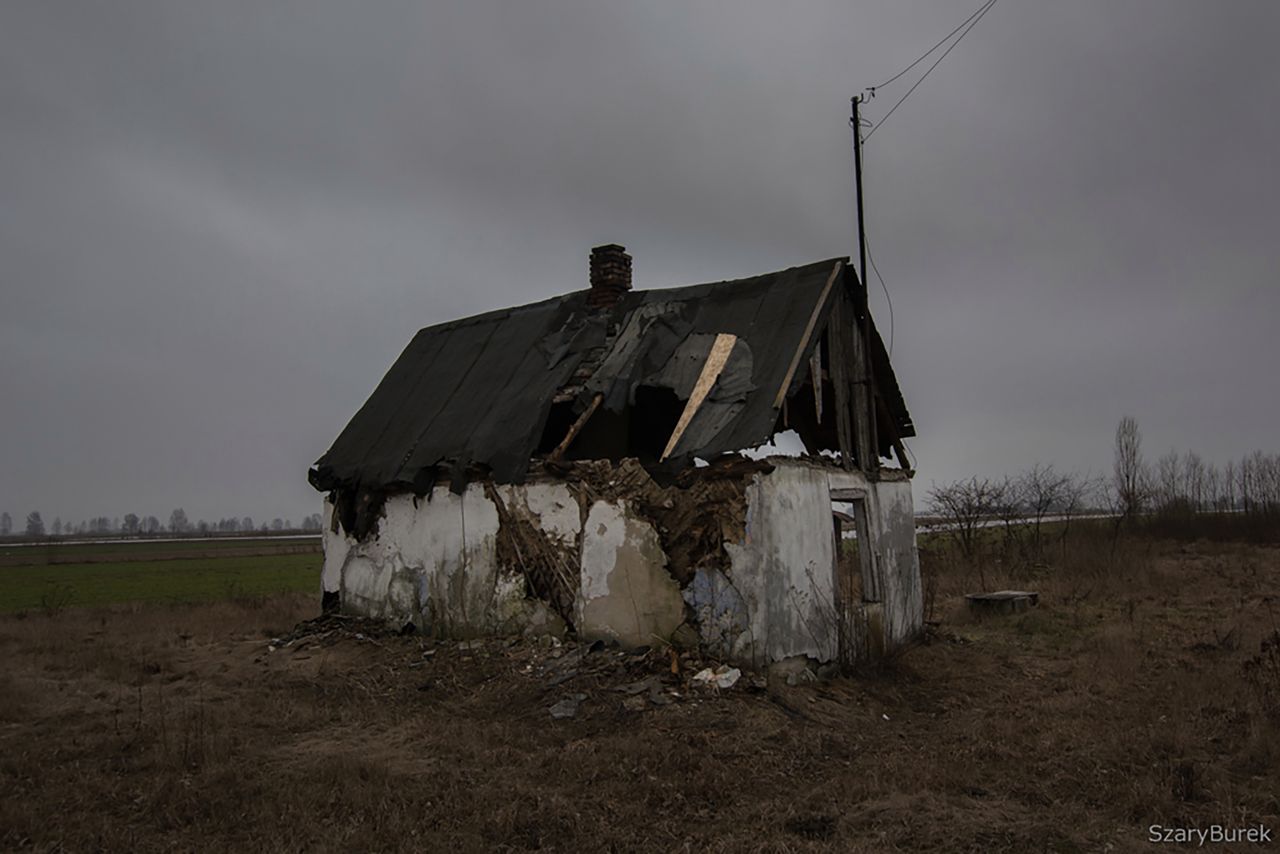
[{"x": 221, "y": 222}]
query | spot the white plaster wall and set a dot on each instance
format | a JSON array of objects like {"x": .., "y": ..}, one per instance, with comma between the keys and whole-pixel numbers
[
  {"x": 891, "y": 523},
  {"x": 784, "y": 573},
  {"x": 626, "y": 593},
  {"x": 336, "y": 546},
  {"x": 554, "y": 506},
  {"x": 721, "y": 616},
  {"x": 604, "y": 533},
  {"x": 900, "y": 562},
  {"x": 434, "y": 563},
  {"x": 430, "y": 562}
]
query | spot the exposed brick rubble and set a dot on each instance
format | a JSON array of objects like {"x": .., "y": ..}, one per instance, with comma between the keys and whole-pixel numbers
[{"x": 694, "y": 516}]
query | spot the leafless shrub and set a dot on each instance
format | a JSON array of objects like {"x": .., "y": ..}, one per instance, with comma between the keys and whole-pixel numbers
[
  {"x": 1010, "y": 509},
  {"x": 965, "y": 505},
  {"x": 1078, "y": 492},
  {"x": 929, "y": 590},
  {"x": 56, "y": 599},
  {"x": 1043, "y": 492}
]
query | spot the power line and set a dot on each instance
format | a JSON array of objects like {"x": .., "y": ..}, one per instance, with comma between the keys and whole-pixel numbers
[
  {"x": 963, "y": 29},
  {"x": 940, "y": 43},
  {"x": 973, "y": 22},
  {"x": 887, "y": 298}
]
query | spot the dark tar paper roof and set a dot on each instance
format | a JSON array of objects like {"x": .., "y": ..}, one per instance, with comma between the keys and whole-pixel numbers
[{"x": 477, "y": 391}]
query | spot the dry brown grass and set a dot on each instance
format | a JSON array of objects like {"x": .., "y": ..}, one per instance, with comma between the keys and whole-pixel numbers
[{"x": 1126, "y": 699}]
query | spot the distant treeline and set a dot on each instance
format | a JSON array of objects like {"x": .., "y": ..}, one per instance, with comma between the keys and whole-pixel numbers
[
  {"x": 1180, "y": 494},
  {"x": 133, "y": 525}
]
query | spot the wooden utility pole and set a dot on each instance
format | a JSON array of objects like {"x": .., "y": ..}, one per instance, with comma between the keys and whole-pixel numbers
[
  {"x": 856, "y": 122},
  {"x": 869, "y": 456}
]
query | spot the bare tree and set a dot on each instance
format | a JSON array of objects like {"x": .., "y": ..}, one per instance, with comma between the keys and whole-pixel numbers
[
  {"x": 965, "y": 505},
  {"x": 6, "y": 524},
  {"x": 1044, "y": 491},
  {"x": 1077, "y": 493},
  {"x": 178, "y": 522},
  {"x": 35, "y": 525},
  {"x": 1010, "y": 508},
  {"x": 130, "y": 524},
  {"x": 1129, "y": 476},
  {"x": 1193, "y": 480},
  {"x": 1266, "y": 469},
  {"x": 1212, "y": 487},
  {"x": 1166, "y": 489},
  {"x": 1245, "y": 479}
]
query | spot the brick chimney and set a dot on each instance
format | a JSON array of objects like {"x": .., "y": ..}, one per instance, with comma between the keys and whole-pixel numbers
[{"x": 610, "y": 275}]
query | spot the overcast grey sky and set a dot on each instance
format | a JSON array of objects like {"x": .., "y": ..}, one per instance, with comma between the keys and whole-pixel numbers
[{"x": 221, "y": 222}]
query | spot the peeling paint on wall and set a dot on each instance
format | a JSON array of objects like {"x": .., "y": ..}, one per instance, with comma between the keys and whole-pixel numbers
[
  {"x": 753, "y": 581},
  {"x": 720, "y": 614},
  {"x": 627, "y": 593},
  {"x": 784, "y": 573}
]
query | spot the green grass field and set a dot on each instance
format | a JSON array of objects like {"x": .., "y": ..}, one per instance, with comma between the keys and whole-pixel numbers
[
  {"x": 125, "y": 550},
  {"x": 53, "y": 587}
]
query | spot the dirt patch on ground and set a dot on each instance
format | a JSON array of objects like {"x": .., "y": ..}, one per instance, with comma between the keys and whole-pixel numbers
[{"x": 1136, "y": 694}]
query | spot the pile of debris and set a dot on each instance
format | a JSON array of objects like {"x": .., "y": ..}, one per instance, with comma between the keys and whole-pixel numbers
[
  {"x": 570, "y": 673},
  {"x": 644, "y": 677},
  {"x": 328, "y": 629}
]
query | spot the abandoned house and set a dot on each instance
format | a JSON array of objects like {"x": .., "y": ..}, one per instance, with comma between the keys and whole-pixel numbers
[{"x": 590, "y": 465}]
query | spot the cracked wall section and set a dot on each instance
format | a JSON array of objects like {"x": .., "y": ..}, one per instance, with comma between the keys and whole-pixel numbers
[
  {"x": 694, "y": 514},
  {"x": 627, "y": 594}
]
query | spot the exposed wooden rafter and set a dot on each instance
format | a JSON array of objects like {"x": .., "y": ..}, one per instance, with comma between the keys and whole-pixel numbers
[
  {"x": 576, "y": 427},
  {"x": 808, "y": 333}
]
